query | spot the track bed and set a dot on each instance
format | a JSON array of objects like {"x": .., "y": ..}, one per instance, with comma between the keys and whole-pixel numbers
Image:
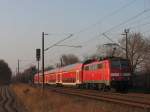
[{"x": 8, "y": 103}]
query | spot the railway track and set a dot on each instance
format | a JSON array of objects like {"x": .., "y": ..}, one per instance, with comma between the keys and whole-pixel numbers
[
  {"x": 143, "y": 97},
  {"x": 7, "y": 100},
  {"x": 117, "y": 98}
]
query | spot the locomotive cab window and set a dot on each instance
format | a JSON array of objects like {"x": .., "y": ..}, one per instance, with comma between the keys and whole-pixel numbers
[
  {"x": 124, "y": 63},
  {"x": 92, "y": 67},
  {"x": 86, "y": 68},
  {"x": 115, "y": 64},
  {"x": 119, "y": 64}
]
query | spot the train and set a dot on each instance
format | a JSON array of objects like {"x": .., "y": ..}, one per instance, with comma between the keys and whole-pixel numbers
[{"x": 101, "y": 74}]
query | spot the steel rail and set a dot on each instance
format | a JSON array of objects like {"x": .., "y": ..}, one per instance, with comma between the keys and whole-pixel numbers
[{"x": 108, "y": 98}]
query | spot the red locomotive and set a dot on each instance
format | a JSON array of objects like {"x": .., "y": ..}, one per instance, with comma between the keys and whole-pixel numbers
[{"x": 99, "y": 74}]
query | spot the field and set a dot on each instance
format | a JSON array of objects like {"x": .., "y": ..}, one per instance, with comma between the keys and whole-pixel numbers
[{"x": 37, "y": 100}]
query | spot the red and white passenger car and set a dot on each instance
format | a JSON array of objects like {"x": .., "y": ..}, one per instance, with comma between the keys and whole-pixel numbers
[{"x": 98, "y": 74}]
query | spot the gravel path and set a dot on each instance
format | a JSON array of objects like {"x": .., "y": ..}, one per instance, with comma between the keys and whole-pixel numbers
[{"x": 8, "y": 102}]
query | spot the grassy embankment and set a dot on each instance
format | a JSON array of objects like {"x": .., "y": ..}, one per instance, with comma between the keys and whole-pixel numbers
[{"x": 35, "y": 100}]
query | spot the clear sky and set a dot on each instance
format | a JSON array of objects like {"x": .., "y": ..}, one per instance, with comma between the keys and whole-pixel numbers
[{"x": 23, "y": 21}]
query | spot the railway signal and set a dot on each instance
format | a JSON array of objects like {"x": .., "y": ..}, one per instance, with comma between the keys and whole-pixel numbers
[{"x": 38, "y": 54}]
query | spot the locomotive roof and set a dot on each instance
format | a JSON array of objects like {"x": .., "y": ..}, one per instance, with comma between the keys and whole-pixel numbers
[{"x": 102, "y": 58}]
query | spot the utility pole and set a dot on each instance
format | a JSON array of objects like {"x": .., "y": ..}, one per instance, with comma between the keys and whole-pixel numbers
[
  {"x": 18, "y": 66},
  {"x": 61, "y": 62},
  {"x": 38, "y": 73},
  {"x": 43, "y": 49},
  {"x": 16, "y": 71},
  {"x": 126, "y": 31},
  {"x": 43, "y": 58}
]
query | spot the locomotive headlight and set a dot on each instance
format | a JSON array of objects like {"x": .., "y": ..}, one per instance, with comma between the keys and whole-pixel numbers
[
  {"x": 114, "y": 74},
  {"x": 112, "y": 78},
  {"x": 126, "y": 74},
  {"x": 128, "y": 78}
]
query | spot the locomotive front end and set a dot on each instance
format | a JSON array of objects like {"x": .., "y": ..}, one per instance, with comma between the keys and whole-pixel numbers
[{"x": 120, "y": 74}]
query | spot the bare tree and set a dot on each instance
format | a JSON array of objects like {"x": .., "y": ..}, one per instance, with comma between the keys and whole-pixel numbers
[
  {"x": 5, "y": 72},
  {"x": 138, "y": 49},
  {"x": 68, "y": 59},
  {"x": 146, "y": 62},
  {"x": 26, "y": 76},
  {"x": 29, "y": 73},
  {"x": 109, "y": 49}
]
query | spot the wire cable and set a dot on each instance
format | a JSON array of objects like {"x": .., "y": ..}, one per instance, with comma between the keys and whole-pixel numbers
[
  {"x": 106, "y": 16},
  {"x": 124, "y": 22},
  {"x": 59, "y": 42}
]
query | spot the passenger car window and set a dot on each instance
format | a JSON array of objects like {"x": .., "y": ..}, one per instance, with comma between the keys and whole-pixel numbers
[
  {"x": 100, "y": 66},
  {"x": 94, "y": 67},
  {"x": 90, "y": 67}
]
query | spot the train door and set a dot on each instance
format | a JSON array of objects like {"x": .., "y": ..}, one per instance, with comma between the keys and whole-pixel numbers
[
  {"x": 57, "y": 78},
  {"x": 60, "y": 77},
  {"x": 105, "y": 73},
  {"x": 45, "y": 79},
  {"x": 77, "y": 77},
  {"x": 103, "y": 77}
]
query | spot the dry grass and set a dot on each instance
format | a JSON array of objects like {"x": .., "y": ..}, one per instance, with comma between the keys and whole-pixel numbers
[{"x": 35, "y": 100}]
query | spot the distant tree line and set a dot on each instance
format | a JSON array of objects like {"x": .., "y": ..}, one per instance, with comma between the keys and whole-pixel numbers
[
  {"x": 26, "y": 76},
  {"x": 67, "y": 59},
  {"x": 5, "y": 73}
]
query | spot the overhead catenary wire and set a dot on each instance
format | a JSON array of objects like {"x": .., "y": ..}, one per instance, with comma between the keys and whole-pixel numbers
[
  {"x": 58, "y": 42},
  {"x": 122, "y": 23},
  {"x": 128, "y": 20},
  {"x": 114, "y": 27},
  {"x": 99, "y": 21},
  {"x": 144, "y": 24},
  {"x": 106, "y": 16},
  {"x": 118, "y": 25},
  {"x": 141, "y": 19},
  {"x": 79, "y": 46}
]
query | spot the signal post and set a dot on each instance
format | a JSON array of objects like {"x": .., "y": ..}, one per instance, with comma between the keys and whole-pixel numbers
[{"x": 38, "y": 57}]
